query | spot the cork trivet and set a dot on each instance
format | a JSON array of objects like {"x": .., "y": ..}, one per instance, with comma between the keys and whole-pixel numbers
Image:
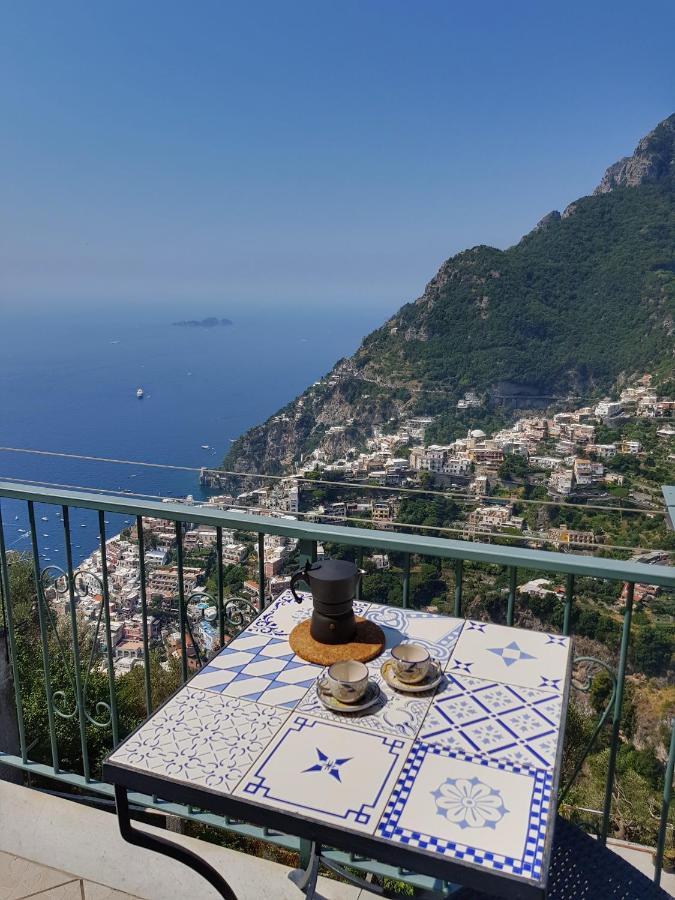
[{"x": 367, "y": 644}]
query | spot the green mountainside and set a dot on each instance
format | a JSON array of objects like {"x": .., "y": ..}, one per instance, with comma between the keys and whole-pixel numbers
[{"x": 586, "y": 298}]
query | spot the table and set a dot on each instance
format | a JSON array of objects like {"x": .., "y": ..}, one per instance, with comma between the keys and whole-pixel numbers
[{"x": 458, "y": 783}]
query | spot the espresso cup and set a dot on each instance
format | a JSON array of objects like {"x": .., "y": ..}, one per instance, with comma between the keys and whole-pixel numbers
[
  {"x": 411, "y": 662},
  {"x": 346, "y": 681}
]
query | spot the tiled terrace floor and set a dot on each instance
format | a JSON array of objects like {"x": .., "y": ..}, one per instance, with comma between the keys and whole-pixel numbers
[
  {"x": 21, "y": 879},
  {"x": 55, "y": 849},
  {"x": 44, "y": 839}
]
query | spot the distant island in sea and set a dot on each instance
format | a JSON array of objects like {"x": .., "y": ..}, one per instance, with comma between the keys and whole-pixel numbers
[{"x": 210, "y": 322}]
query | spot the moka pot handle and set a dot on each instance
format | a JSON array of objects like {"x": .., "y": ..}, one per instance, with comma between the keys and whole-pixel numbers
[{"x": 299, "y": 576}]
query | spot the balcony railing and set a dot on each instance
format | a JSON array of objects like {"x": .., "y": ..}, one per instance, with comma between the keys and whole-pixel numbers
[{"x": 69, "y": 660}]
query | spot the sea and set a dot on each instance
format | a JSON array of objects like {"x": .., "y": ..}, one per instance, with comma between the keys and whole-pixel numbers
[{"x": 68, "y": 382}]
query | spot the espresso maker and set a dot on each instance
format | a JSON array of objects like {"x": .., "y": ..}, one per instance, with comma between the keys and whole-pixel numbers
[{"x": 333, "y": 583}]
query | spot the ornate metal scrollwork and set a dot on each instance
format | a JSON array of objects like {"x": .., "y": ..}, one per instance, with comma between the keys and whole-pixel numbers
[
  {"x": 239, "y": 613},
  {"x": 85, "y": 584},
  {"x": 587, "y": 665}
]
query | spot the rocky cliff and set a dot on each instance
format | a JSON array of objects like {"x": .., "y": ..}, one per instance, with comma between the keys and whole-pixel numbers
[{"x": 585, "y": 297}]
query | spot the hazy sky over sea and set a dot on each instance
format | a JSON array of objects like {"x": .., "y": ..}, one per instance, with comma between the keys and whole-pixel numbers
[{"x": 218, "y": 154}]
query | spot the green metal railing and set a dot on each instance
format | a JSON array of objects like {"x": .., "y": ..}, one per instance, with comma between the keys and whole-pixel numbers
[
  {"x": 233, "y": 614},
  {"x": 665, "y": 807}
]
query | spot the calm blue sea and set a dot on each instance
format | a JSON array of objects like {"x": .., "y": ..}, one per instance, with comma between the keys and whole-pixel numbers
[{"x": 68, "y": 383}]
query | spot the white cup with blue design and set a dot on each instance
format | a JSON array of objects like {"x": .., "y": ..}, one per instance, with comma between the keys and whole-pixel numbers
[
  {"x": 412, "y": 662},
  {"x": 347, "y": 680}
]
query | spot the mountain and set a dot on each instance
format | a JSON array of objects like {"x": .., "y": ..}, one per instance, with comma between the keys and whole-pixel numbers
[{"x": 586, "y": 298}]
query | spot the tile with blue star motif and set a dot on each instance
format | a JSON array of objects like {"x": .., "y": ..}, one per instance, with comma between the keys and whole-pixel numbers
[
  {"x": 511, "y": 655},
  {"x": 473, "y": 809},
  {"x": 284, "y": 613},
  {"x": 327, "y": 771},
  {"x": 500, "y": 720},
  {"x": 404, "y": 626}
]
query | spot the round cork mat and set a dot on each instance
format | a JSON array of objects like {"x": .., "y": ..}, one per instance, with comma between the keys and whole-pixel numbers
[{"x": 367, "y": 644}]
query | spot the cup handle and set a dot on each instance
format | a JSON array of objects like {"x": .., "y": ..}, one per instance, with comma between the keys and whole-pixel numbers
[{"x": 321, "y": 683}]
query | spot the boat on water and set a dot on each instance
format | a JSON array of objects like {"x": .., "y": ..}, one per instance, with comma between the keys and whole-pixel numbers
[
  {"x": 140, "y": 393},
  {"x": 45, "y": 519},
  {"x": 206, "y": 447},
  {"x": 83, "y": 524}
]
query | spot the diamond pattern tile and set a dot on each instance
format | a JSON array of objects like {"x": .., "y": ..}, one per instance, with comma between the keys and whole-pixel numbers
[
  {"x": 498, "y": 720},
  {"x": 259, "y": 667}
]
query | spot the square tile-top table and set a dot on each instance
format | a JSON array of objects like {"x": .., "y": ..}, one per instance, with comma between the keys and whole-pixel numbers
[{"x": 458, "y": 783}]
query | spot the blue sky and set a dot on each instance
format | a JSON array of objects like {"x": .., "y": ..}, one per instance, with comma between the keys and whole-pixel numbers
[{"x": 302, "y": 152}]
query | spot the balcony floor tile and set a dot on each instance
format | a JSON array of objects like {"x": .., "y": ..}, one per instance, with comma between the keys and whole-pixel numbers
[{"x": 20, "y": 877}]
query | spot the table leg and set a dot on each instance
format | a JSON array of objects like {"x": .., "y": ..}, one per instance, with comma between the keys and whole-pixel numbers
[
  {"x": 167, "y": 848},
  {"x": 307, "y": 881}
]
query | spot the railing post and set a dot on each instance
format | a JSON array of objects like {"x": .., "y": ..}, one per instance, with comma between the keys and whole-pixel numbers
[
  {"x": 616, "y": 719},
  {"x": 569, "y": 596},
  {"x": 219, "y": 580},
  {"x": 108, "y": 637},
  {"x": 79, "y": 695},
  {"x": 44, "y": 638},
  {"x": 306, "y": 551},
  {"x": 359, "y": 563},
  {"x": 144, "y": 614},
  {"x": 261, "y": 571},
  {"x": 665, "y": 807},
  {"x": 11, "y": 638},
  {"x": 459, "y": 574},
  {"x": 406, "y": 580},
  {"x": 181, "y": 601},
  {"x": 513, "y": 572}
]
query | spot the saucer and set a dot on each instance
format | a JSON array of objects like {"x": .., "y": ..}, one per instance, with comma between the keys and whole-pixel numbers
[
  {"x": 431, "y": 680},
  {"x": 370, "y": 698}
]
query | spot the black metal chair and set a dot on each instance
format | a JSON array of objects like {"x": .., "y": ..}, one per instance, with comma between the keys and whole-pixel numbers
[{"x": 582, "y": 869}]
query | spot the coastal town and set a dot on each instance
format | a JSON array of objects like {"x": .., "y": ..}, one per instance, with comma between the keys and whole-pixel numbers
[{"x": 562, "y": 459}]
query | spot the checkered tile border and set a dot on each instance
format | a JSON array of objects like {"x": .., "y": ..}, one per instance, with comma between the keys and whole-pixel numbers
[{"x": 530, "y": 866}]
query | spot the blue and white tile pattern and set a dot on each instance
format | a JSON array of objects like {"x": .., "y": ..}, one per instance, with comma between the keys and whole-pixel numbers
[
  {"x": 499, "y": 720},
  {"x": 511, "y": 655},
  {"x": 201, "y": 738},
  {"x": 327, "y": 771},
  {"x": 259, "y": 667},
  {"x": 438, "y": 634},
  {"x": 472, "y": 809}
]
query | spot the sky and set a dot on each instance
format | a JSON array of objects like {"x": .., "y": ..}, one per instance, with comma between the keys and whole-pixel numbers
[{"x": 218, "y": 154}]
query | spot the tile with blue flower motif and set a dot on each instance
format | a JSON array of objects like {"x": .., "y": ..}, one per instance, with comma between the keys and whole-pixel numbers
[
  {"x": 499, "y": 720},
  {"x": 471, "y": 808},
  {"x": 511, "y": 655},
  {"x": 404, "y": 626},
  {"x": 327, "y": 771},
  {"x": 284, "y": 613},
  {"x": 201, "y": 738}
]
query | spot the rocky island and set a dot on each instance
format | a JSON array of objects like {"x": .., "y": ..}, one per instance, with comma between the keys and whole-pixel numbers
[{"x": 209, "y": 322}]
